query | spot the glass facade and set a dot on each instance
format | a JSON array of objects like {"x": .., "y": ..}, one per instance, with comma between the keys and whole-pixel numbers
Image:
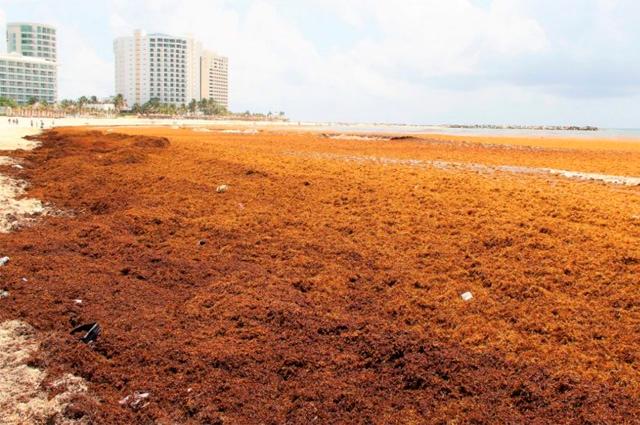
[
  {"x": 32, "y": 40},
  {"x": 22, "y": 79},
  {"x": 30, "y": 69}
]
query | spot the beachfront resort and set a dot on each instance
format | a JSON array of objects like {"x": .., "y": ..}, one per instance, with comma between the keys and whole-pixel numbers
[
  {"x": 173, "y": 70},
  {"x": 166, "y": 69}
]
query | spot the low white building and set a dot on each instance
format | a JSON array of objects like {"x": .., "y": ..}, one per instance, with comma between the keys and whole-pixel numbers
[
  {"x": 23, "y": 78},
  {"x": 100, "y": 107}
]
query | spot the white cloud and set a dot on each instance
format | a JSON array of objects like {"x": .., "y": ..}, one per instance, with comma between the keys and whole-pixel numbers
[
  {"x": 509, "y": 30},
  {"x": 436, "y": 37},
  {"x": 273, "y": 64},
  {"x": 3, "y": 30},
  {"x": 82, "y": 72}
]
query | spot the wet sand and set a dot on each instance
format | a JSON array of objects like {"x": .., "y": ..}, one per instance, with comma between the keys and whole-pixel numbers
[
  {"x": 12, "y": 138},
  {"x": 15, "y": 209},
  {"x": 22, "y": 399},
  {"x": 325, "y": 284}
]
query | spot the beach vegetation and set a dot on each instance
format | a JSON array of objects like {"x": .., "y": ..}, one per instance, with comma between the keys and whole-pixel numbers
[
  {"x": 5, "y": 101},
  {"x": 118, "y": 102}
]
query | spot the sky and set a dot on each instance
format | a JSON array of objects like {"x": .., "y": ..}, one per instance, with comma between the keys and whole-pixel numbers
[{"x": 402, "y": 61}]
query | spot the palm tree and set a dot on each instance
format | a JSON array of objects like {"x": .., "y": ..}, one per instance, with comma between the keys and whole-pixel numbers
[
  {"x": 211, "y": 107},
  {"x": 5, "y": 101},
  {"x": 118, "y": 102},
  {"x": 67, "y": 105},
  {"x": 153, "y": 105},
  {"x": 193, "y": 105},
  {"x": 202, "y": 105},
  {"x": 81, "y": 102}
]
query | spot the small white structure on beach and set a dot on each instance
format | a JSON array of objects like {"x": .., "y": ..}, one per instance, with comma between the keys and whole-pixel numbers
[{"x": 100, "y": 107}]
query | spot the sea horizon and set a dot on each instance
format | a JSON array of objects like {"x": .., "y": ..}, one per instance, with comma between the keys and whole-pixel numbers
[{"x": 600, "y": 133}]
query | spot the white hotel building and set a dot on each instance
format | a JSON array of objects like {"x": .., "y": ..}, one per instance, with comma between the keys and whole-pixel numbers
[
  {"x": 30, "y": 69},
  {"x": 159, "y": 66},
  {"x": 214, "y": 78}
]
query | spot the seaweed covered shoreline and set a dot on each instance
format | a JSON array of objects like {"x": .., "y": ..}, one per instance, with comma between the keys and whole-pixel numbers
[{"x": 315, "y": 289}]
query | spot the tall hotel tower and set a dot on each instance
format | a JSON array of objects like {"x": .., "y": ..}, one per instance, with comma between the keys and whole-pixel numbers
[
  {"x": 214, "y": 78},
  {"x": 29, "y": 69},
  {"x": 171, "y": 69},
  {"x": 157, "y": 66}
]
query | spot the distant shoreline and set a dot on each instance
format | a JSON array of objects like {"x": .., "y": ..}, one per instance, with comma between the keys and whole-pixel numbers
[
  {"x": 524, "y": 127},
  {"x": 355, "y": 128}
]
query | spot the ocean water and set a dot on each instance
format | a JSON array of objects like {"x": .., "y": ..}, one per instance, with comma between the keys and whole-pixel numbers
[{"x": 607, "y": 133}]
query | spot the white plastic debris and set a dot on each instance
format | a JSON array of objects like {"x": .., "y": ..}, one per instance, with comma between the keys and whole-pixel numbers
[
  {"x": 4, "y": 261},
  {"x": 135, "y": 400},
  {"x": 222, "y": 188},
  {"x": 18, "y": 166},
  {"x": 77, "y": 301},
  {"x": 467, "y": 296},
  {"x": 24, "y": 279},
  {"x": 4, "y": 294}
]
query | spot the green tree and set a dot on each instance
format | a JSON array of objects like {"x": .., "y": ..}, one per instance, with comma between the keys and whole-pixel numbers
[
  {"x": 32, "y": 101},
  {"x": 68, "y": 105},
  {"x": 5, "y": 101},
  {"x": 81, "y": 102},
  {"x": 166, "y": 108},
  {"x": 211, "y": 107},
  {"x": 152, "y": 106},
  {"x": 193, "y": 106},
  {"x": 118, "y": 102}
]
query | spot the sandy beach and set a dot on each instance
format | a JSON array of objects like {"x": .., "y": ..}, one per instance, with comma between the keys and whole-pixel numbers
[
  {"x": 325, "y": 281},
  {"x": 15, "y": 209}
]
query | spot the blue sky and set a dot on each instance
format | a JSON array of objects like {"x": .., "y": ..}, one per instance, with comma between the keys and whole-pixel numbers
[{"x": 417, "y": 61}]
